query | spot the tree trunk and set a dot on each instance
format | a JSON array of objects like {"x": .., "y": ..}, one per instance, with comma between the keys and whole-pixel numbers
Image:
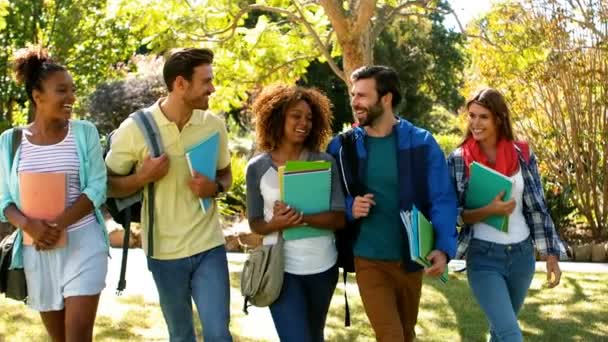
[{"x": 357, "y": 51}]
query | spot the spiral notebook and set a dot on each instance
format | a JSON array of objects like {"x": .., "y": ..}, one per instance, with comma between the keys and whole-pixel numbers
[
  {"x": 43, "y": 196},
  {"x": 306, "y": 186},
  {"x": 202, "y": 158}
]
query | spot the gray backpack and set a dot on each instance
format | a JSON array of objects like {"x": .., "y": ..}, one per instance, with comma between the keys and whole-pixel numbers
[{"x": 262, "y": 276}]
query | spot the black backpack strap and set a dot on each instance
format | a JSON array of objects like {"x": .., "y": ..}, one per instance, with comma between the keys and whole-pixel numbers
[
  {"x": 17, "y": 134},
  {"x": 122, "y": 280},
  {"x": 346, "y": 307}
]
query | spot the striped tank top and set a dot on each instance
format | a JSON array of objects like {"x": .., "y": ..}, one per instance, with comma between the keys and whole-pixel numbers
[{"x": 60, "y": 158}]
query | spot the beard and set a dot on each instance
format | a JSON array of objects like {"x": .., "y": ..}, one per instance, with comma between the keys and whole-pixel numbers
[{"x": 374, "y": 112}]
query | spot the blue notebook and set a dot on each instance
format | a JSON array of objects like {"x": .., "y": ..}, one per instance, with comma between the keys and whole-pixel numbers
[
  {"x": 202, "y": 158},
  {"x": 306, "y": 186}
]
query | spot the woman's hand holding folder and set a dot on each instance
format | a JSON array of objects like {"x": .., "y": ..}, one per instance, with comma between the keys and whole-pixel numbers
[
  {"x": 45, "y": 234},
  {"x": 284, "y": 216}
]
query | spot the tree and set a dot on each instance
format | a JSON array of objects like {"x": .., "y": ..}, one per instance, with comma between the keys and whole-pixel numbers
[
  {"x": 281, "y": 40},
  {"x": 551, "y": 59},
  {"x": 79, "y": 33},
  {"x": 429, "y": 60}
]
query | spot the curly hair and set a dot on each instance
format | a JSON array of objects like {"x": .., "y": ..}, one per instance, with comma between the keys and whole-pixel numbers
[
  {"x": 269, "y": 110},
  {"x": 33, "y": 65}
]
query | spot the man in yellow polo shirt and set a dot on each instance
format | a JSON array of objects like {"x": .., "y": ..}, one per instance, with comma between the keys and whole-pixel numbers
[{"x": 188, "y": 260}]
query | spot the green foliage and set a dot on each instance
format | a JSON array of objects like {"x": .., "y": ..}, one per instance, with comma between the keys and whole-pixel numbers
[
  {"x": 233, "y": 203},
  {"x": 429, "y": 61},
  {"x": 559, "y": 202},
  {"x": 78, "y": 33},
  {"x": 113, "y": 101},
  {"x": 4, "y": 125},
  {"x": 448, "y": 142}
]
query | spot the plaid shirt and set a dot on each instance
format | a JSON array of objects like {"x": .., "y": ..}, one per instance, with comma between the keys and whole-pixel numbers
[{"x": 542, "y": 229}]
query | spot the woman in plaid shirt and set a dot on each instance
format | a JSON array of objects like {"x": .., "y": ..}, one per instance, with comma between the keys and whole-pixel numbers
[{"x": 500, "y": 265}]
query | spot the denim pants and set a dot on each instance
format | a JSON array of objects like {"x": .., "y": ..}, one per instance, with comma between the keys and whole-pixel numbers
[
  {"x": 300, "y": 311},
  {"x": 499, "y": 276},
  {"x": 202, "y": 277}
]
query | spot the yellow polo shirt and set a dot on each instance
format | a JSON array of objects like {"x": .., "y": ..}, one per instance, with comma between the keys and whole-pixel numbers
[{"x": 180, "y": 227}]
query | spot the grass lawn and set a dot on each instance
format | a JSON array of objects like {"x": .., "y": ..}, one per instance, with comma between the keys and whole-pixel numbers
[{"x": 575, "y": 311}]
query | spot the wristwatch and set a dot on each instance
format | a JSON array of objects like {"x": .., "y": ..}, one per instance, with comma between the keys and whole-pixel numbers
[{"x": 219, "y": 188}]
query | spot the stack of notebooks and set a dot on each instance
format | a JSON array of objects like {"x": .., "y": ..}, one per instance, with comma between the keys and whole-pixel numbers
[
  {"x": 306, "y": 186},
  {"x": 43, "y": 196},
  {"x": 421, "y": 238},
  {"x": 202, "y": 158},
  {"x": 484, "y": 185}
]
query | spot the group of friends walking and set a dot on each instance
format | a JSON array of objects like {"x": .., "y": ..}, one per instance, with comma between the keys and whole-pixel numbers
[{"x": 398, "y": 166}]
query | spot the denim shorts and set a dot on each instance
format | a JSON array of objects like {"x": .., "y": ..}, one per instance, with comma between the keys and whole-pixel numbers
[{"x": 79, "y": 269}]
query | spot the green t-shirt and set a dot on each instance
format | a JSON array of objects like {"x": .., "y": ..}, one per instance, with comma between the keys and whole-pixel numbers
[{"x": 382, "y": 235}]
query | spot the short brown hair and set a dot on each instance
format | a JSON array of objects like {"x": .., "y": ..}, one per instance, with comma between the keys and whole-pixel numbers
[
  {"x": 181, "y": 62},
  {"x": 492, "y": 100},
  {"x": 269, "y": 110}
]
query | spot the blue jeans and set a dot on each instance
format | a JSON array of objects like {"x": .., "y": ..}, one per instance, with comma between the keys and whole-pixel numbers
[
  {"x": 202, "y": 277},
  {"x": 300, "y": 311},
  {"x": 499, "y": 276}
]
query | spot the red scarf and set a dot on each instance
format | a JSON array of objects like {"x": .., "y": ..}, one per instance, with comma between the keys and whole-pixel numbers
[{"x": 506, "y": 156}]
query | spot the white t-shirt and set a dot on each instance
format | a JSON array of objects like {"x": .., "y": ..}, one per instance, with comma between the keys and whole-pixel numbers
[
  {"x": 518, "y": 229},
  {"x": 302, "y": 256}
]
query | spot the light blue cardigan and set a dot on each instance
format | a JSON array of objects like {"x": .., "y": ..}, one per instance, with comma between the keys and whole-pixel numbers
[{"x": 93, "y": 176}]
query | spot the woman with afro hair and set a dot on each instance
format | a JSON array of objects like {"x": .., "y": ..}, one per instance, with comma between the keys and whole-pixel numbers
[{"x": 293, "y": 123}]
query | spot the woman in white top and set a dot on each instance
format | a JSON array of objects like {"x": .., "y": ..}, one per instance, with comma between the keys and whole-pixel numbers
[
  {"x": 500, "y": 265},
  {"x": 63, "y": 282},
  {"x": 293, "y": 123}
]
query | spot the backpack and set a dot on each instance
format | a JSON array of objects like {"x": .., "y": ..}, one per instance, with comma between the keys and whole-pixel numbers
[
  {"x": 262, "y": 275},
  {"x": 128, "y": 209},
  {"x": 347, "y": 236},
  {"x": 12, "y": 282}
]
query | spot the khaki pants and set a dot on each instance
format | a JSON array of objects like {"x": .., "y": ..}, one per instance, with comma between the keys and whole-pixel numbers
[{"x": 390, "y": 297}]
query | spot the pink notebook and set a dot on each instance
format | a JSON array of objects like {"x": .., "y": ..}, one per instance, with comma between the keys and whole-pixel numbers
[{"x": 43, "y": 196}]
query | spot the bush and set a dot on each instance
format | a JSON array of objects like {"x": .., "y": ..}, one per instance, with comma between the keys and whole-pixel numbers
[
  {"x": 559, "y": 202},
  {"x": 448, "y": 142},
  {"x": 233, "y": 203}
]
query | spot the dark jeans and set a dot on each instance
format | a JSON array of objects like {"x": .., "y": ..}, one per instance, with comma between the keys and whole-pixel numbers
[
  {"x": 300, "y": 311},
  {"x": 202, "y": 277},
  {"x": 499, "y": 276}
]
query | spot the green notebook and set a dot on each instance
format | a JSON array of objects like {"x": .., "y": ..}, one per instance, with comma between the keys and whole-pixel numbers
[
  {"x": 306, "y": 186},
  {"x": 421, "y": 239},
  {"x": 485, "y": 184}
]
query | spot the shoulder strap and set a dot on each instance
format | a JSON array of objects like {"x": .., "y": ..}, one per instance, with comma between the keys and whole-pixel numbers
[
  {"x": 149, "y": 129},
  {"x": 17, "y": 134},
  {"x": 147, "y": 125},
  {"x": 349, "y": 153},
  {"x": 524, "y": 148}
]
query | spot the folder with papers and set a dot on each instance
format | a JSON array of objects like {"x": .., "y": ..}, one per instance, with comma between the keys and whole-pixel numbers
[
  {"x": 306, "y": 186},
  {"x": 202, "y": 158},
  {"x": 421, "y": 238},
  {"x": 485, "y": 184},
  {"x": 43, "y": 196}
]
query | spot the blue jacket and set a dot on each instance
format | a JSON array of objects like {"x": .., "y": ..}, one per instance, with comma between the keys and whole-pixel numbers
[
  {"x": 423, "y": 179},
  {"x": 92, "y": 177}
]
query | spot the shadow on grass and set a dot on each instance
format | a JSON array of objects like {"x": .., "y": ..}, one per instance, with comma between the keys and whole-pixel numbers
[{"x": 570, "y": 312}]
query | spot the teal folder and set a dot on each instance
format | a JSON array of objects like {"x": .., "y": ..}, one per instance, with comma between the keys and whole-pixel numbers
[
  {"x": 485, "y": 184},
  {"x": 421, "y": 238},
  {"x": 202, "y": 158},
  {"x": 306, "y": 186}
]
